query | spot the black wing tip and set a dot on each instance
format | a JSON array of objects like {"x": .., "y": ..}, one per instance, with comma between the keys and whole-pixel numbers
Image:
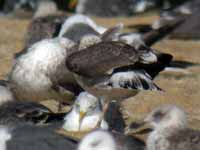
[{"x": 165, "y": 58}]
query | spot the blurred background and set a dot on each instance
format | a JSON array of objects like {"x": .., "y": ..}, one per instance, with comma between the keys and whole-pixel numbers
[{"x": 138, "y": 16}]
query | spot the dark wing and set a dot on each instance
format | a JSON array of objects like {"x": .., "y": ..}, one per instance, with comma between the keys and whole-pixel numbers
[
  {"x": 163, "y": 60},
  {"x": 18, "y": 112},
  {"x": 39, "y": 138},
  {"x": 100, "y": 58}
]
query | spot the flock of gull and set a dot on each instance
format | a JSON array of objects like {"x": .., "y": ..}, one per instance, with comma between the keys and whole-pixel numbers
[{"x": 76, "y": 62}]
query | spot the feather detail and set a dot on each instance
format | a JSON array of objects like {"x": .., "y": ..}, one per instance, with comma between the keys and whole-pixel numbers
[{"x": 133, "y": 80}]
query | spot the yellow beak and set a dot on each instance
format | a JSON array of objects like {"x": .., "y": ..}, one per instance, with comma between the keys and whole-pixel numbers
[{"x": 81, "y": 116}]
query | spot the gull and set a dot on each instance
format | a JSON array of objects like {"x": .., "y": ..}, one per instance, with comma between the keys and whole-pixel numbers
[
  {"x": 115, "y": 70},
  {"x": 104, "y": 140},
  {"x": 15, "y": 113},
  {"x": 170, "y": 131},
  {"x": 40, "y": 73},
  {"x": 85, "y": 114}
]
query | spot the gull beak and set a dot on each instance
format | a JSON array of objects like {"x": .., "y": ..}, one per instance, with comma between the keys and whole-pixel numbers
[{"x": 82, "y": 115}]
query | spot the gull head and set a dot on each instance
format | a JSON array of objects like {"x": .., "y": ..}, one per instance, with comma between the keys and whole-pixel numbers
[
  {"x": 86, "y": 104},
  {"x": 167, "y": 116}
]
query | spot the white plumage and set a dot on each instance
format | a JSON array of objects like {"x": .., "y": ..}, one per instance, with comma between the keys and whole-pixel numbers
[
  {"x": 88, "y": 105},
  {"x": 40, "y": 68},
  {"x": 4, "y": 137},
  {"x": 98, "y": 140},
  {"x": 76, "y": 19},
  {"x": 5, "y": 93}
]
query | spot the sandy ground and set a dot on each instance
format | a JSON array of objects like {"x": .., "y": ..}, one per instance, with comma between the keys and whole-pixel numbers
[{"x": 180, "y": 89}]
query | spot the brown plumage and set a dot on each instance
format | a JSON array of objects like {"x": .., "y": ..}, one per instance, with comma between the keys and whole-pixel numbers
[
  {"x": 111, "y": 70},
  {"x": 96, "y": 60}
]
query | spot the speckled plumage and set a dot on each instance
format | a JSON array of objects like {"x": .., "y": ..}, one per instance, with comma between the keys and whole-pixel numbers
[
  {"x": 16, "y": 113},
  {"x": 40, "y": 72},
  {"x": 170, "y": 130}
]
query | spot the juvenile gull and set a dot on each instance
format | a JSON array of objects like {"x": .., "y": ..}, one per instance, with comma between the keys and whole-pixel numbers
[
  {"x": 170, "y": 131},
  {"x": 104, "y": 140},
  {"x": 85, "y": 114},
  {"x": 41, "y": 74}
]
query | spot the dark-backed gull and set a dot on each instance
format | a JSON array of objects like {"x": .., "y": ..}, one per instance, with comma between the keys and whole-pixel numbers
[{"x": 115, "y": 70}]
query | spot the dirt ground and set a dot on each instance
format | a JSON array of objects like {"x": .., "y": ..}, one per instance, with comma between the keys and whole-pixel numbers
[{"x": 181, "y": 89}]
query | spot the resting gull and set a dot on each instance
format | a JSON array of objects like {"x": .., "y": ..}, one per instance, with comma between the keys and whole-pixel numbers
[
  {"x": 41, "y": 74},
  {"x": 170, "y": 131},
  {"x": 85, "y": 114}
]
